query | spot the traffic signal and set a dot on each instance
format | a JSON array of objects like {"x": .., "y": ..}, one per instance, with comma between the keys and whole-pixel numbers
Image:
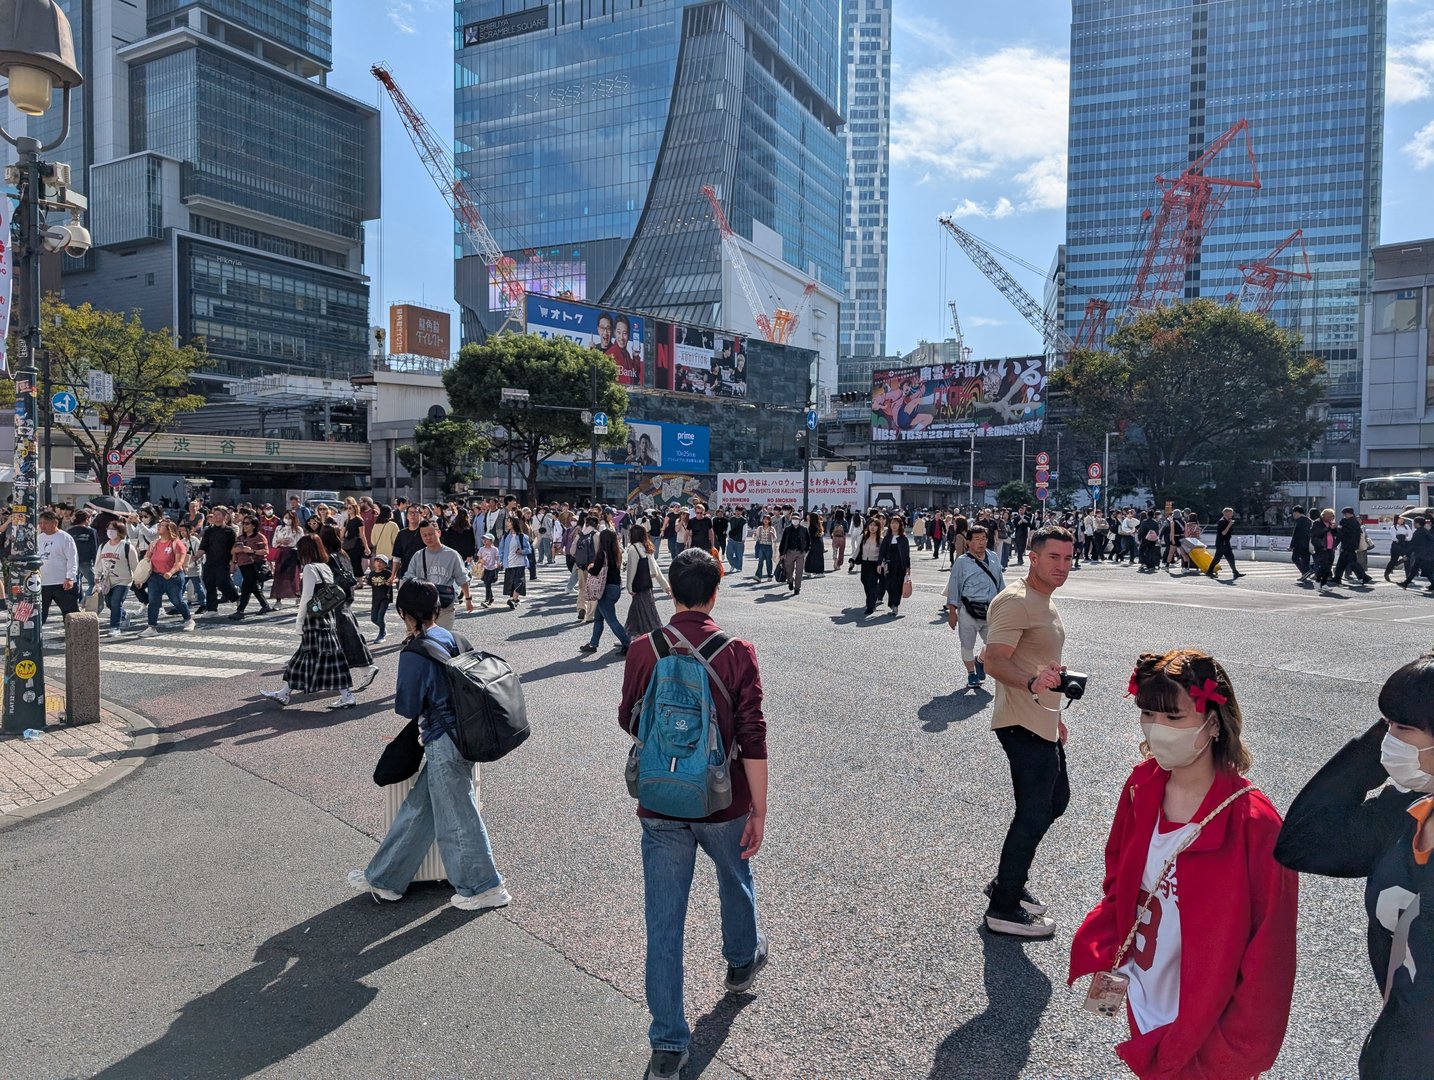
[{"x": 171, "y": 392}]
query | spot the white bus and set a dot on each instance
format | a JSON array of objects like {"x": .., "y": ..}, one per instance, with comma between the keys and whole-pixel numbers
[{"x": 1381, "y": 498}]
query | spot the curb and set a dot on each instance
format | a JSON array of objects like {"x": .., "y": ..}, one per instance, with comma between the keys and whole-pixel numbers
[{"x": 145, "y": 738}]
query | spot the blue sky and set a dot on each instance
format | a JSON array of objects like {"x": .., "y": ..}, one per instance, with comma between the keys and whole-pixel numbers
[{"x": 979, "y": 127}]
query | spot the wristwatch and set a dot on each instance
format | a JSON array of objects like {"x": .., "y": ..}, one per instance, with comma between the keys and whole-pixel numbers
[{"x": 1031, "y": 685}]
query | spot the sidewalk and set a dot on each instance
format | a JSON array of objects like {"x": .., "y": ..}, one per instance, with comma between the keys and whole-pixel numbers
[{"x": 35, "y": 772}]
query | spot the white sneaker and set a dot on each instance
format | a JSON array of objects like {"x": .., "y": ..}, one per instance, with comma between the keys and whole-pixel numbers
[
  {"x": 359, "y": 883},
  {"x": 495, "y": 897},
  {"x": 189, "y": 625},
  {"x": 149, "y": 631},
  {"x": 281, "y": 696}
]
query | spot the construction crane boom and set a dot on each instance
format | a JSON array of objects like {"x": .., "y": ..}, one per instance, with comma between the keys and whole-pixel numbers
[
  {"x": 1264, "y": 281},
  {"x": 1052, "y": 335},
  {"x": 1092, "y": 325},
  {"x": 739, "y": 264},
  {"x": 439, "y": 163},
  {"x": 1189, "y": 205}
]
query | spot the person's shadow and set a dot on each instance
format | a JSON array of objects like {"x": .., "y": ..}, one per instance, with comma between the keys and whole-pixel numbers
[
  {"x": 306, "y": 982},
  {"x": 938, "y": 714},
  {"x": 711, "y": 1031},
  {"x": 996, "y": 1044}
]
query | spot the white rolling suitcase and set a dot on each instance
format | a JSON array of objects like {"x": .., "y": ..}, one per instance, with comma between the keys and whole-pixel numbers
[{"x": 431, "y": 868}]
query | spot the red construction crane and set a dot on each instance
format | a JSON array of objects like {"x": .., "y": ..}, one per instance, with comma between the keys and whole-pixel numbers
[
  {"x": 781, "y": 324},
  {"x": 1264, "y": 281},
  {"x": 1189, "y": 205},
  {"x": 1092, "y": 326},
  {"x": 439, "y": 164}
]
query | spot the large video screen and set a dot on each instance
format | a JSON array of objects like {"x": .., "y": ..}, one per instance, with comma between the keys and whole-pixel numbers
[
  {"x": 692, "y": 360},
  {"x": 981, "y": 398}
]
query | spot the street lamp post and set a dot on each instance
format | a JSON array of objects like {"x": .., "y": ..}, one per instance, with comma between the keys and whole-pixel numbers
[
  {"x": 1058, "y": 466},
  {"x": 1105, "y": 479},
  {"x": 37, "y": 53}
]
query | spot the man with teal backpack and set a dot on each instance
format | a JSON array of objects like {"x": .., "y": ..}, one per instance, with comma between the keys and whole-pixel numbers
[{"x": 692, "y": 702}]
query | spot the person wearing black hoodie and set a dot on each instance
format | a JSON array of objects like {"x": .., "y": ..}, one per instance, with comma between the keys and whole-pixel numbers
[
  {"x": 1351, "y": 532},
  {"x": 1420, "y": 554},
  {"x": 1300, "y": 543},
  {"x": 1335, "y": 829}
]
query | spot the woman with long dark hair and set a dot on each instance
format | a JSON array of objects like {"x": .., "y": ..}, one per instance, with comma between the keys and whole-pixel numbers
[
  {"x": 606, "y": 565},
  {"x": 896, "y": 564},
  {"x": 318, "y": 664},
  {"x": 867, "y": 558},
  {"x": 514, "y": 551},
  {"x": 816, "y": 561},
  {"x": 642, "y": 575},
  {"x": 286, "y": 558}
]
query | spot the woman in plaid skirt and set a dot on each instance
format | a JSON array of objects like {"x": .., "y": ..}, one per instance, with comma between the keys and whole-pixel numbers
[{"x": 319, "y": 662}]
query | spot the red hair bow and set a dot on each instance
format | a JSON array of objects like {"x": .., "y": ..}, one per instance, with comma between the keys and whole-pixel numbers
[
  {"x": 1133, "y": 686},
  {"x": 1205, "y": 695}
]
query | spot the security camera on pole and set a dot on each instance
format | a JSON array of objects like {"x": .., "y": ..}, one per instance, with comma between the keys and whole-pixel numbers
[{"x": 37, "y": 53}]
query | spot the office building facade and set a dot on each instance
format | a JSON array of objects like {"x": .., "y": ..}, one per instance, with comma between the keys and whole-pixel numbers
[
  {"x": 589, "y": 127},
  {"x": 866, "y": 65},
  {"x": 1397, "y": 420},
  {"x": 228, "y": 185},
  {"x": 1152, "y": 85}
]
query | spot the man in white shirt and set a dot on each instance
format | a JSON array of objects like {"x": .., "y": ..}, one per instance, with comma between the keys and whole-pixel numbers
[
  {"x": 60, "y": 568},
  {"x": 1127, "y": 536}
]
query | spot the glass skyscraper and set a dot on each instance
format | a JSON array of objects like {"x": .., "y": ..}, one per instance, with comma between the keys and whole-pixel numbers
[
  {"x": 228, "y": 185},
  {"x": 587, "y": 129},
  {"x": 866, "y": 40},
  {"x": 1153, "y": 84}
]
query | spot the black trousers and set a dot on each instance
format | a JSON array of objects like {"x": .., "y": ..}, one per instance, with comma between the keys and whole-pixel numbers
[
  {"x": 871, "y": 585},
  {"x": 250, "y": 585},
  {"x": 1223, "y": 551},
  {"x": 894, "y": 583},
  {"x": 67, "y": 599},
  {"x": 1301, "y": 559},
  {"x": 1349, "y": 563},
  {"x": 1043, "y": 791},
  {"x": 216, "y": 581}
]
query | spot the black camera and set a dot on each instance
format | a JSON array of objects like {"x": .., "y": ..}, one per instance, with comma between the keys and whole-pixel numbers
[{"x": 1073, "y": 684}]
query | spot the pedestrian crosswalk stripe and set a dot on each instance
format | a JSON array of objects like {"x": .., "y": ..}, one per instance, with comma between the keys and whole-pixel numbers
[
  {"x": 186, "y": 654},
  {"x": 287, "y": 641},
  {"x": 131, "y": 667}
]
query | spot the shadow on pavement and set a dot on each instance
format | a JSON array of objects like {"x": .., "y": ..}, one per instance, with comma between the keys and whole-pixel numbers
[
  {"x": 260, "y": 720},
  {"x": 711, "y": 1031},
  {"x": 938, "y": 714},
  {"x": 306, "y": 982},
  {"x": 996, "y": 1044},
  {"x": 852, "y": 616}
]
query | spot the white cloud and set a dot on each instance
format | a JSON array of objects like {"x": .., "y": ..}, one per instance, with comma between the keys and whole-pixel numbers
[
  {"x": 971, "y": 209},
  {"x": 1421, "y": 147},
  {"x": 998, "y": 117},
  {"x": 983, "y": 320},
  {"x": 1409, "y": 64},
  {"x": 400, "y": 13}
]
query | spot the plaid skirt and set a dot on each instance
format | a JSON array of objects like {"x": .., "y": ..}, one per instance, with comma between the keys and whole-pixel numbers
[
  {"x": 642, "y": 616},
  {"x": 319, "y": 663}
]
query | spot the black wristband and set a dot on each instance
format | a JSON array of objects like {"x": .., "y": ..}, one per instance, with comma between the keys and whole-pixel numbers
[{"x": 1031, "y": 685}]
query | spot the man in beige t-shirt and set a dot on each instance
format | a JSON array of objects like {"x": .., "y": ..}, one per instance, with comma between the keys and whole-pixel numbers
[{"x": 1023, "y": 655}]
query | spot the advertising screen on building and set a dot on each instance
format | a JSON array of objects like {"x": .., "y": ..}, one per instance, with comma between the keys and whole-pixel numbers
[
  {"x": 615, "y": 333},
  {"x": 692, "y": 360},
  {"x": 418, "y": 331},
  {"x": 556, "y": 272},
  {"x": 654, "y": 446},
  {"x": 984, "y": 398}
]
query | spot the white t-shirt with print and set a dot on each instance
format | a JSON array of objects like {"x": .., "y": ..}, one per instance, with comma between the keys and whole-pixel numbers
[{"x": 1153, "y": 962}]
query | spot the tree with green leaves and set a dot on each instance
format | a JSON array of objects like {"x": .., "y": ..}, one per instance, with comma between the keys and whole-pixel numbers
[
  {"x": 1014, "y": 494},
  {"x": 452, "y": 447},
  {"x": 1197, "y": 382},
  {"x": 151, "y": 378},
  {"x": 559, "y": 376}
]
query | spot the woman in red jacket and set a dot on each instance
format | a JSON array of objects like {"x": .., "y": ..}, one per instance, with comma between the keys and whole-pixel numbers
[{"x": 1197, "y": 920}]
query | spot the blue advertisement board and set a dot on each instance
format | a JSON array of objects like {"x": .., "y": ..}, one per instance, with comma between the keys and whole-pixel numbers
[
  {"x": 654, "y": 447},
  {"x": 616, "y": 333}
]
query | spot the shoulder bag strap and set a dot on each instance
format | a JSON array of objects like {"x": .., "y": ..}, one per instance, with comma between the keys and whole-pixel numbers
[
  {"x": 1190, "y": 838},
  {"x": 706, "y": 660},
  {"x": 984, "y": 569}
]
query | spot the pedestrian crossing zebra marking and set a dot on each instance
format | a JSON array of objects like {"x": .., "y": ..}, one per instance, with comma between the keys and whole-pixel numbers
[{"x": 131, "y": 667}]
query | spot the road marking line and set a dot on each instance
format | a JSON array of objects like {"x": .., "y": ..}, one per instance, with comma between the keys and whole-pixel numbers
[
  {"x": 130, "y": 667},
  {"x": 289, "y": 643},
  {"x": 189, "y": 654}
]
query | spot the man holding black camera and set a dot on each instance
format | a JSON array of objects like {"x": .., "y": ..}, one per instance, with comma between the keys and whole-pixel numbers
[{"x": 1023, "y": 655}]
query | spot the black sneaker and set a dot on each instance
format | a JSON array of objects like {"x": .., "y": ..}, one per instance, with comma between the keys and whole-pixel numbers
[
  {"x": 740, "y": 979},
  {"x": 1029, "y": 902},
  {"x": 1020, "y": 923},
  {"x": 666, "y": 1064}
]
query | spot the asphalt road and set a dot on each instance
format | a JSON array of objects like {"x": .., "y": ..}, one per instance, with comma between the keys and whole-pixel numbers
[{"x": 169, "y": 913}]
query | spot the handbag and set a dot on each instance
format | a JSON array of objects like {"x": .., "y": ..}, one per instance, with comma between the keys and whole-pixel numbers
[
  {"x": 906, "y": 589},
  {"x": 400, "y": 758},
  {"x": 979, "y": 609},
  {"x": 1106, "y": 996},
  {"x": 263, "y": 571},
  {"x": 327, "y": 597},
  {"x": 141, "y": 572},
  {"x": 595, "y": 585}
]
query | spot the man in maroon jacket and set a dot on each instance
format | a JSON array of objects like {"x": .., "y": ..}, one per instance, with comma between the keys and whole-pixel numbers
[{"x": 730, "y": 837}]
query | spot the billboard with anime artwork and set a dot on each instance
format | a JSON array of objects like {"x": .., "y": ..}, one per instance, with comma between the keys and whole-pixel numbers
[{"x": 981, "y": 398}]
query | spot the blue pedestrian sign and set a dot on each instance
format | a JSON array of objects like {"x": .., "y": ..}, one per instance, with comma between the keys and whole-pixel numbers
[
  {"x": 65, "y": 403},
  {"x": 811, "y": 419}
]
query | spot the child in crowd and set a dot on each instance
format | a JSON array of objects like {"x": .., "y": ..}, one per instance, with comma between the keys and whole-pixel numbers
[
  {"x": 489, "y": 560},
  {"x": 380, "y": 583}
]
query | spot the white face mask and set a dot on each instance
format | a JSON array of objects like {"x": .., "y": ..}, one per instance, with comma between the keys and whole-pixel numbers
[
  {"x": 112, "y": 534},
  {"x": 1174, "y": 748},
  {"x": 1402, "y": 762}
]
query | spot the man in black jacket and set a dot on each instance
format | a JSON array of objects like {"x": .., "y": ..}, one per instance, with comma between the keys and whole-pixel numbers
[
  {"x": 701, "y": 529},
  {"x": 1300, "y": 543},
  {"x": 1420, "y": 559},
  {"x": 792, "y": 550},
  {"x": 217, "y": 546},
  {"x": 1350, "y": 533},
  {"x": 1224, "y": 549},
  {"x": 409, "y": 542}
]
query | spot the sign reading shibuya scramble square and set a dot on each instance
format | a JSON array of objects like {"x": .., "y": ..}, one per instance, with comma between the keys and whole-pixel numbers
[
  {"x": 505, "y": 26},
  {"x": 827, "y": 488}
]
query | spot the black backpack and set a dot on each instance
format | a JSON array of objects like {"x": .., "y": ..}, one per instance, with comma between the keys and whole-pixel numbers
[{"x": 487, "y": 699}]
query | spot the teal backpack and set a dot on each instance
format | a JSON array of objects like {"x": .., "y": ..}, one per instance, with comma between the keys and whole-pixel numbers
[{"x": 678, "y": 766}]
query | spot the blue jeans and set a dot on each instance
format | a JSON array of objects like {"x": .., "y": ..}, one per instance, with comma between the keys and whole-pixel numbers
[
  {"x": 157, "y": 588},
  {"x": 669, "y": 854},
  {"x": 734, "y": 554},
  {"x": 607, "y": 613},
  {"x": 441, "y": 806},
  {"x": 764, "y": 558},
  {"x": 672, "y": 548},
  {"x": 115, "y": 599},
  {"x": 87, "y": 579}
]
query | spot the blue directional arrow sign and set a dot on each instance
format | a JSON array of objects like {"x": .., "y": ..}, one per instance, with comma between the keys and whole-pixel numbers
[
  {"x": 600, "y": 419},
  {"x": 811, "y": 419},
  {"x": 65, "y": 403}
]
